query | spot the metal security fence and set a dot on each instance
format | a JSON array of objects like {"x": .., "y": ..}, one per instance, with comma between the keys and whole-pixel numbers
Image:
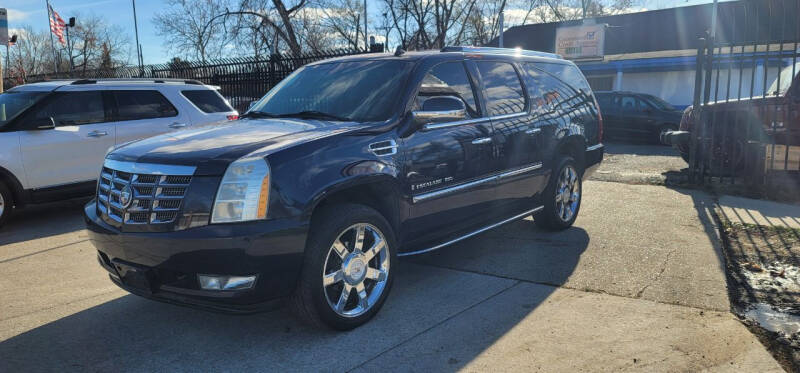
[
  {"x": 744, "y": 125},
  {"x": 241, "y": 80}
]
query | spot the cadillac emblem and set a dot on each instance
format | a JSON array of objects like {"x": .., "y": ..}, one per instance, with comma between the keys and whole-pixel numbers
[{"x": 125, "y": 196}]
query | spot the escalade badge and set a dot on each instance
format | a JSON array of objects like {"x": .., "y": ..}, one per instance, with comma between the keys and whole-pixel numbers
[{"x": 125, "y": 196}]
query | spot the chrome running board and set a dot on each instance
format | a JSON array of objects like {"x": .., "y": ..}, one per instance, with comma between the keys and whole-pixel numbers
[{"x": 468, "y": 235}]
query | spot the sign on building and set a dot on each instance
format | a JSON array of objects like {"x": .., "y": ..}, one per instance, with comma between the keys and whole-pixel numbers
[
  {"x": 3, "y": 26},
  {"x": 581, "y": 42}
]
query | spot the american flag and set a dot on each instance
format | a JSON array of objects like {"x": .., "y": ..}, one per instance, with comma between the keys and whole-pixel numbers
[{"x": 57, "y": 25}]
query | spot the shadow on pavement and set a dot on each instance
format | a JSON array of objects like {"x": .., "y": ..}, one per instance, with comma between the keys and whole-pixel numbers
[
  {"x": 133, "y": 334},
  {"x": 39, "y": 221}
]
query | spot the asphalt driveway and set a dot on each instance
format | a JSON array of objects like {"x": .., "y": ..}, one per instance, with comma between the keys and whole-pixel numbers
[{"x": 636, "y": 284}]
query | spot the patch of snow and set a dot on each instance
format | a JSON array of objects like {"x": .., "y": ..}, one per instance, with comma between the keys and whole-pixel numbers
[{"x": 774, "y": 320}]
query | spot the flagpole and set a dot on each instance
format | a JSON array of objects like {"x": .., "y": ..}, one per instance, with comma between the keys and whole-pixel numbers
[
  {"x": 52, "y": 42},
  {"x": 139, "y": 57}
]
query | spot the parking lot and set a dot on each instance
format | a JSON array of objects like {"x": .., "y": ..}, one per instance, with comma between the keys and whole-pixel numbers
[{"x": 637, "y": 284}]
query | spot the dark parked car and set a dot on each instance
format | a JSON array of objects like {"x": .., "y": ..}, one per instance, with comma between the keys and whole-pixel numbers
[
  {"x": 742, "y": 122},
  {"x": 342, "y": 167},
  {"x": 637, "y": 115}
]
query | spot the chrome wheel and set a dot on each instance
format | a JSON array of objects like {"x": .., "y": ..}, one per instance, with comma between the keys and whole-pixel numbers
[
  {"x": 356, "y": 269},
  {"x": 2, "y": 205},
  {"x": 568, "y": 193}
]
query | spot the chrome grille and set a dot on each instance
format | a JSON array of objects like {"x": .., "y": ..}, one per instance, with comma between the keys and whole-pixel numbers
[{"x": 154, "y": 198}]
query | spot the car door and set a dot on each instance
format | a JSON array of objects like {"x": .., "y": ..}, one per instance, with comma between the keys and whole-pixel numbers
[
  {"x": 73, "y": 151},
  {"x": 516, "y": 136},
  {"x": 448, "y": 166},
  {"x": 637, "y": 114},
  {"x": 141, "y": 113},
  {"x": 613, "y": 119}
]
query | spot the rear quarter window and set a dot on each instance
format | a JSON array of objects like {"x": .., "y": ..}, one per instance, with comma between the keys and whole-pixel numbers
[
  {"x": 207, "y": 101},
  {"x": 143, "y": 104},
  {"x": 568, "y": 73}
]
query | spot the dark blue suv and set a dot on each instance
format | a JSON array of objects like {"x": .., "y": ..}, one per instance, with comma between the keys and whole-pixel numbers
[{"x": 342, "y": 167}]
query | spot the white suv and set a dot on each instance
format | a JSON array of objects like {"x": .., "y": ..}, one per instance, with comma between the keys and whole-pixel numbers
[{"x": 54, "y": 135}]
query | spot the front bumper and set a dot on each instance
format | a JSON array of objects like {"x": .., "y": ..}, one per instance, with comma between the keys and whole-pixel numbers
[{"x": 164, "y": 265}]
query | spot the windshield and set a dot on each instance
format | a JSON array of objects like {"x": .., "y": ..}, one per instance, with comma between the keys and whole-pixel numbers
[
  {"x": 14, "y": 102},
  {"x": 359, "y": 91},
  {"x": 786, "y": 79},
  {"x": 660, "y": 103}
]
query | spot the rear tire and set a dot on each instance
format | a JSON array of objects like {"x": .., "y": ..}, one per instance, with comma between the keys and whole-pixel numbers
[
  {"x": 337, "y": 261},
  {"x": 6, "y": 204},
  {"x": 562, "y": 196}
]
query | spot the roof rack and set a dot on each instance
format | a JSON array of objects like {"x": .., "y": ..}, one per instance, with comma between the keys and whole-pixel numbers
[
  {"x": 508, "y": 51},
  {"x": 115, "y": 80}
]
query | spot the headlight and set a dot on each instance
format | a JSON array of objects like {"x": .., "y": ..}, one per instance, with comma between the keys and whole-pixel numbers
[{"x": 243, "y": 193}]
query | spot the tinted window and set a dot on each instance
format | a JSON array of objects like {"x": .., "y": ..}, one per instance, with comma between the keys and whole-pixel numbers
[
  {"x": 503, "y": 90},
  {"x": 568, "y": 73},
  {"x": 12, "y": 103},
  {"x": 548, "y": 94},
  {"x": 359, "y": 90},
  {"x": 133, "y": 105},
  {"x": 449, "y": 79},
  {"x": 74, "y": 108},
  {"x": 207, "y": 100}
]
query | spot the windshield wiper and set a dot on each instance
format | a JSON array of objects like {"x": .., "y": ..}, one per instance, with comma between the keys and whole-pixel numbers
[
  {"x": 314, "y": 114},
  {"x": 258, "y": 114}
]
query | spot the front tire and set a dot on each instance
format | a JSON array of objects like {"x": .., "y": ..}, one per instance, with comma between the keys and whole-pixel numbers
[
  {"x": 6, "y": 204},
  {"x": 347, "y": 272},
  {"x": 562, "y": 196}
]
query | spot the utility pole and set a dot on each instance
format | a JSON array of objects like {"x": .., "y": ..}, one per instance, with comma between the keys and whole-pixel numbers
[
  {"x": 366, "y": 38},
  {"x": 139, "y": 57},
  {"x": 70, "y": 25},
  {"x": 500, "y": 21}
]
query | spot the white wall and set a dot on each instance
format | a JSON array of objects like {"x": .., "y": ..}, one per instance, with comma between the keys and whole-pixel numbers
[{"x": 677, "y": 87}]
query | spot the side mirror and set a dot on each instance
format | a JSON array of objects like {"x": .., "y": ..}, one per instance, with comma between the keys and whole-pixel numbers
[
  {"x": 44, "y": 123},
  {"x": 438, "y": 109}
]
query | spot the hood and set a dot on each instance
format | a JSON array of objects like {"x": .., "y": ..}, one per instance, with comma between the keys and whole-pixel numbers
[{"x": 212, "y": 148}]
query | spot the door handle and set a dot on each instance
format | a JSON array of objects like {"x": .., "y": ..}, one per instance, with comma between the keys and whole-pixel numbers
[
  {"x": 482, "y": 140},
  {"x": 97, "y": 134},
  {"x": 177, "y": 125},
  {"x": 533, "y": 131}
]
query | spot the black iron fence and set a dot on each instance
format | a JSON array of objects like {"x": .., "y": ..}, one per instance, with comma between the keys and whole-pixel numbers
[
  {"x": 241, "y": 80},
  {"x": 745, "y": 123}
]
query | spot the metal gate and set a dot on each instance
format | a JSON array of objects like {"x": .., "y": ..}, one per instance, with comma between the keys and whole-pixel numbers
[{"x": 744, "y": 123}]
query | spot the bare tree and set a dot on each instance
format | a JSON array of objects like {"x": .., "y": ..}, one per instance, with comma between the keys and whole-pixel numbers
[
  {"x": 93, "y": 42},
  {"x": 190, "y": 29},
  {"x": 345, "y": 19},
  {"x": 31, "y": 55}
]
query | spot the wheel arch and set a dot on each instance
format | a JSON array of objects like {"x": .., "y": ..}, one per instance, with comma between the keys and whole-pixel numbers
[
  {"x": 380, "y": 192},
  {"x": 573, "y": 146},
  {"x": 14, "y": 185}
]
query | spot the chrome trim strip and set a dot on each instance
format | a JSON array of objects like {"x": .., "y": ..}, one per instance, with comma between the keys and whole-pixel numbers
[
  {"x": 521, "y": 170},
  {"x": 533, "y": 131},
  {"x": 441, "y": 192},
  {"x": 481, "y": 141},
  {"x": 468, "y": 235},
  {"x": 436, "y": 126},
  {"x": 508, "y": 116},
  {"x": 149, "y": 168},
  {"x": 456, "y": 188},
  {"x": 594, "y": 147}
]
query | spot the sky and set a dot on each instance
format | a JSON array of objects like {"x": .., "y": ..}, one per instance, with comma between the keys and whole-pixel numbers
[{"x": 120, "y": 12}]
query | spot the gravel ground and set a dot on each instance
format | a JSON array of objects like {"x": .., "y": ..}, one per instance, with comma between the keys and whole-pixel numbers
[{"x": 641, "y": 164}]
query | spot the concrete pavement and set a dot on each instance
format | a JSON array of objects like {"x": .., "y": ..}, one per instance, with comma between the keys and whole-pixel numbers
[
  {"x": 637, "y": 284},
  {"x": 759, "y": 212}
]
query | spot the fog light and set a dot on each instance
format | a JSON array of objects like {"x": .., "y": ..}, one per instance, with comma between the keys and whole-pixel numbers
[{"x": 212, "y": 282}]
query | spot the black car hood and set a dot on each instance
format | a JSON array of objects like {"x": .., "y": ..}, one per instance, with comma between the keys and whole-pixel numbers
[{"x": 211, "y": 148}]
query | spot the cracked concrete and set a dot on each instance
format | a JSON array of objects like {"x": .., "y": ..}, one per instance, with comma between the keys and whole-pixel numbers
[{"x": 637, "y": 284}]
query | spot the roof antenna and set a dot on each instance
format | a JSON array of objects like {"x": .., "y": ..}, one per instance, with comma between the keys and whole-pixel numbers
[{"x": 399, "y": 51}]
